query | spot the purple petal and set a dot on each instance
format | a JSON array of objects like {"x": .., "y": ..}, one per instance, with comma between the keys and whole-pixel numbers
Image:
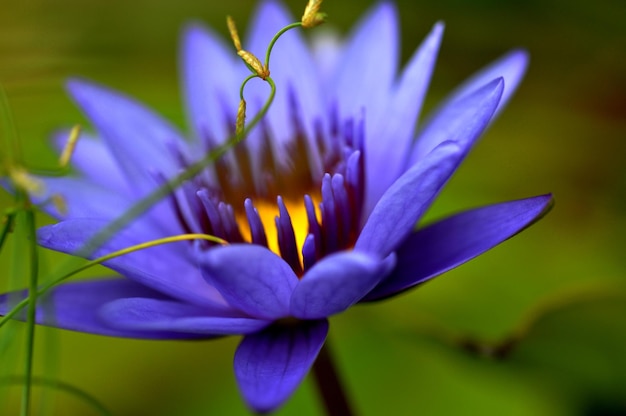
[
  {"x": 209, "y": 79},
  {"x": 511, "y": 67},
  {"x": 82, "y": 198},
  {"x": 251, "y": 278},
  {"x": 167, "y": 268},
  {"x": 75, "y": 306},
  {"x": 388, "y": 147},
  {"x": 446, "y": 244},
  {"x": 336, "y": 283},
  {"x": 368, "y": 64},
  {"x": 405, "y": 201},
  {"x": 271, "y": 364},
  {"x": 92, "y": 159},
  {"x": 139, "y": 139},
  {"x": 462, "y": 121},
  {"x": 150, "y": 314}
]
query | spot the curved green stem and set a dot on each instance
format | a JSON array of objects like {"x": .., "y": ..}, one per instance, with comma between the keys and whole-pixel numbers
[
  {"x": 31, "y": 235},
  {"x": 275, "y": 38},
  {"x": 7, "y": 226},
  {"x": 243, "y": 84},
  {"x": 55, "y": 281},
  {"x": 59, "y": 385}
]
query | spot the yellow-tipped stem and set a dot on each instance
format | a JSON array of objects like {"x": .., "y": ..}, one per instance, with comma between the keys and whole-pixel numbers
[
  {"x": 68, "y": 150},
  {"x": 241, "y": 118},
  {"x": 312, "y": 16},
  {"x": 230, "y": 22},
  {"x": 23, "y": 180},
  {"x": 254, "y": 64},
  {"x": 59, "y": 203}
]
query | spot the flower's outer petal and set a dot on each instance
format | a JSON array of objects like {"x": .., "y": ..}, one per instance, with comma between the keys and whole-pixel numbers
[
  {"x": 209, "y": 78},
  {"x": 462, "y": 121},
  {"x": 336, "y": 283},
  {"x": 251, "y": 278},
  {"x": 368, "y": 65},
  {"x": 270, "y": 365},
  {"x": 148, "y": 314},
  {"x": 75, "y": 306},
  {"x": 93, "y": 160},
  {"x": 405, "y": 201},
  {"x": 293, "y": 69},
  {"x": 166, "y": 268},
  {"x": 140, "y": 141},
  {"x": 388, "y": 147},
  {"x": 446, "y": 244}
]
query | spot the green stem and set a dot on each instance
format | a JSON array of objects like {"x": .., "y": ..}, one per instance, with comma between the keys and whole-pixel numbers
[
  {"x": 243, "y": 84},
  {"x": 59, "y": 385},
  {"x": 275, "y": 38},
  {"x": 329, "y": 384},
  {"x": 7, "y": 226},
  {"x": 29, "y": 220},
  {"x": 56, "y": 280}
]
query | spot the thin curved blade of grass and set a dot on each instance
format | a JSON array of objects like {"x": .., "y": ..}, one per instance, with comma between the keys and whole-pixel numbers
[{"x": 61, "y": 386}]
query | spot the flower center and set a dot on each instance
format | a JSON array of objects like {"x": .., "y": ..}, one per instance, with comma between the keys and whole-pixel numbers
[
  {"x": 248, "y": 196},
  {"x": 269, "y": 213}
]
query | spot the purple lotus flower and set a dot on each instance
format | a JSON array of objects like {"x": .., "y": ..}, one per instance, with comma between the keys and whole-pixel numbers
[{"x": 318, "y": 204}]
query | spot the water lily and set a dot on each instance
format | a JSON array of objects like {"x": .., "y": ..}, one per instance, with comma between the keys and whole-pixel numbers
[{"x": 318, "y": 204}]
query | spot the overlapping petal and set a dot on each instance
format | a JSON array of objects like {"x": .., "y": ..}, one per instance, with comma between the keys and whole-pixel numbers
[
  {"x": 405, "y": 201},
  {"x": 82, "y": 198},
  {"x": 251, "y": 278},
  {"x": 270, "y": 364},
  {"x": 141, "y": 141},
  {"x": 76, "y": 306},
  {"x": 396, "y": 124},
  {"x": 462, "y": 121},
  {"x": 336, "y": 283},
  {"x": 511, "y": 67},
  {"x": 446, "y": 244},
  {"x": 149, "y": 314},
  {"x": 168, "y": 269}
]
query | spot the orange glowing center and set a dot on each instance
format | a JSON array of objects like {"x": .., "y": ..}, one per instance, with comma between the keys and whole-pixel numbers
[{"x": 268, "y": 211}]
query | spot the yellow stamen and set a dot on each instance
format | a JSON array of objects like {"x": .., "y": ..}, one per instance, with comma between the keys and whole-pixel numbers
[
  {"x": 241, "y": 117},
  {"x": 22, "y": 179},
  {"x": 254, "y": 64},
  {"x": 268, "y": 211},
  {"x": 59, "y": 203},
  {"x": 312, "y": 16},
  {"x": 68, "y": 150},
  {"x": 233, "y": 32}
]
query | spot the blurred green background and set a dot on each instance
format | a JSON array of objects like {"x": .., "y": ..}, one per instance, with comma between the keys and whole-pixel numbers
[{"x": 443, "y": 349}]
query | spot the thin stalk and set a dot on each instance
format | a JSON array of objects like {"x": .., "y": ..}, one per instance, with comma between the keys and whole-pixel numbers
[
  {"x": 275, "y": 38},
  {"x": 29, "y": 222},
  {"x": 58, "y": 279},
  {"x": 329, "y": 384}
]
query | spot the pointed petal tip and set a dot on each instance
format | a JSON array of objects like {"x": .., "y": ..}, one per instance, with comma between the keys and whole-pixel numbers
[{"x": 439, "y": 27}]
